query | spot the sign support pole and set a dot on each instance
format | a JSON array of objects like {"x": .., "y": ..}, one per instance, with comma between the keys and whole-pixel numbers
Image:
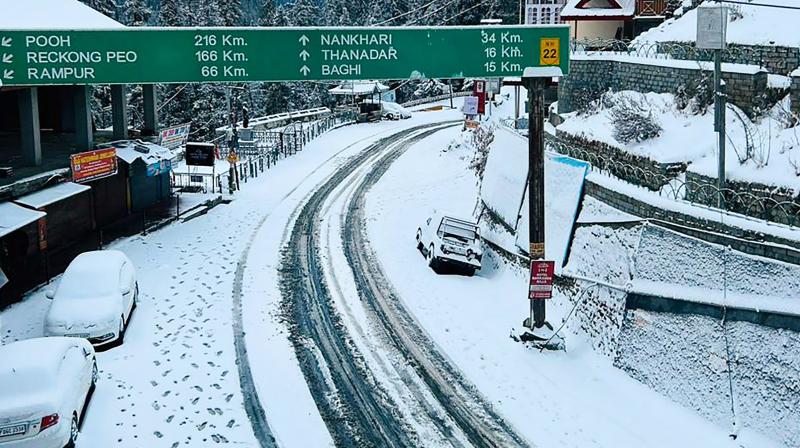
[
  {"x": 536, "y": 88},
  {"x": 719, "y": 118},
  {"x": 540, "y": 332}
]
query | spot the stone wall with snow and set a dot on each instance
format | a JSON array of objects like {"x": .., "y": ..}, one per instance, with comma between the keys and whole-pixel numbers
[
  {"x": 592, "y": 74},
  {"x": 684, "y": 357}
]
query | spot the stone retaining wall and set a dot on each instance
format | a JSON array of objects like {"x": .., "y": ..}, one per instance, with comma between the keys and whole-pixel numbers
[
  {"x": 749, "y": 242},
  {"x": 775, "y": 58},
  {"x": 591, "y": 76},
  {"x": 632, "y": 168}
]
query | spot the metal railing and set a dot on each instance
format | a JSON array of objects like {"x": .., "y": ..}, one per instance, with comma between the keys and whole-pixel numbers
[
  {"x": 259, "y": 154},
  {"x": 431, "y": 99},
  {"x": 767, "y": 205},
  {"x": 739, "y": 54}
]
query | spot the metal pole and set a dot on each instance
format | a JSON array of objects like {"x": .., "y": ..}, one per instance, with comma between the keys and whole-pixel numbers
[
  {"x": 450, "y": 84},
  {"x": 536, "y": 88},
  {"x": 719, "y": 124}
]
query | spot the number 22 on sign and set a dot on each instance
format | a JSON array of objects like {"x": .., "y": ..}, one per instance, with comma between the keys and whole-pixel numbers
[{"x": 548, "y": 51}]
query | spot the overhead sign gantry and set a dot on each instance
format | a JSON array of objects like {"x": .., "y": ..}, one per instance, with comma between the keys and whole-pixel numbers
[{"x": 173, "y": 55}]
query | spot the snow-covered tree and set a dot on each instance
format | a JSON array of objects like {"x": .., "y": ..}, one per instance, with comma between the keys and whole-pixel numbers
[
  {"x": 136, "y": 12},
  {"x": 106, "y": 7},
  {"x": 169, "y": 14},
  {"x": 305, "y": 13},
  {"x": 269, "y": 10},
  {"x": 337, "y": 13},
  {"x": 231, "y": 12}
]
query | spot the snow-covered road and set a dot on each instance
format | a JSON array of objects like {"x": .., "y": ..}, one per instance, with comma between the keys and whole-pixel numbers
[{"x": 211, "y": 354}]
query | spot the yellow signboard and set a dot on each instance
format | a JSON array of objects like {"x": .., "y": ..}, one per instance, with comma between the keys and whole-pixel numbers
[{"x": 548, "y": 51}]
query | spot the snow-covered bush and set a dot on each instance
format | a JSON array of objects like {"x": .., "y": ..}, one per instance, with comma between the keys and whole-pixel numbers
[
  {"x": 584, "y": 99},
  {"x": 482, "y": 138},
  {"x": 633, "y": 119}
]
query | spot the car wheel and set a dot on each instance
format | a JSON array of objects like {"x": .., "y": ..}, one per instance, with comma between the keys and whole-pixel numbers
[
  {"x": 419, "y": 240},
  {"x": 469, "y": 272},
  {"x": 431, "y": 258},
  {"x": 95, "y": 374},
  {"x": 73, "y": 432}
]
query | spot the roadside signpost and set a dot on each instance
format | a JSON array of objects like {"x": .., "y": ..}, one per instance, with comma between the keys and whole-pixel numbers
[
  {"x": 541, "y": 286},
  {"x": 173, "y": 55}
]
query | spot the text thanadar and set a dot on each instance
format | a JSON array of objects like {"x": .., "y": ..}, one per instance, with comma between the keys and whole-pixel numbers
[{"x": 354, "y": 54}]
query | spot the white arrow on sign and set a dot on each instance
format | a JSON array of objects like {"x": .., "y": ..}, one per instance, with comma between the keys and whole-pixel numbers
[
  {"x": 6, "y": 42},
  {"x": 7, "y": 58},
  {"x": 8, "y": 74},
  {"x": 304, "y": 54},
  {"x": 303, "y": 40},
  {"x": 305, "y": 70}
]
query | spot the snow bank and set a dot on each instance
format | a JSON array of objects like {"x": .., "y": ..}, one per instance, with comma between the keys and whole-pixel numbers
[
  {"x": 689, "y": 138},
  {"x": 504, "y": 191},
  {"x": 747, "y": 25}
]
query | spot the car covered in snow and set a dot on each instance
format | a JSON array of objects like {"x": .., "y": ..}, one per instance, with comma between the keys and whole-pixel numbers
[
  {"x": 45, "y": 387},
  {"x": 388, "y": 109},
  {"x": 394, "y": 111},
  {"x": 94, "y": 299},
  {"x": 447, "y": 240}
]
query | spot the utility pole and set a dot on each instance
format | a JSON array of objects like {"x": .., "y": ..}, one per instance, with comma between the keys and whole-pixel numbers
[
  {"x": 540, "y": 332},
  {"x": 719, "y": 125},
  {"x": 536, "y": 210}
]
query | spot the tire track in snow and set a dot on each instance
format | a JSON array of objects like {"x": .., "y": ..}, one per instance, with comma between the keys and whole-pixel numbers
[
  {"x": 357, "y": 411},
  {"x": 252, "y": 402},
  {"x": 476, "y": 417}
]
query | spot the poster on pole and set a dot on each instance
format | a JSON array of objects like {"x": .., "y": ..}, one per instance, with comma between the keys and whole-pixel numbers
[
  {"x": 541, "y": 286},
  {"x": 470, "y": 106},
  {"x": 174, "y": 137}
]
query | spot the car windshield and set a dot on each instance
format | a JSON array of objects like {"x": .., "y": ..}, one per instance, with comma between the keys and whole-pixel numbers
[
  {"x": 87, "y": 281},
  {"x": 462, "y": 232}
]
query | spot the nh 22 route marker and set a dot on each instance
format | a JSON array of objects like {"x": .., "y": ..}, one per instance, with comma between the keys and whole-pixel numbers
[{"x": 177, "y": 55}]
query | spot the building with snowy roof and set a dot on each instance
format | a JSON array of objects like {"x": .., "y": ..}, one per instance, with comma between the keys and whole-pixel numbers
[
  {"x": 612, "y": 19},
  {"x": 41, "y": 126}
]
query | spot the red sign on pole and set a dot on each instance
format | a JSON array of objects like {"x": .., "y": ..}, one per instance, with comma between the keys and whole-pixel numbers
[
  {"x": 479, "y": 90},
  {"x": 541, "y": 279},
  {"x": 92, "y": 165}
]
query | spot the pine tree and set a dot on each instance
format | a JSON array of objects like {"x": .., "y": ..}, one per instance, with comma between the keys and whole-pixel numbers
[
  {"x": 305, "y": 13},
  {"x": 337, "y": 13},
  {"x": 169, "y": 14},
  {"x": 105, "y": 7},
  {"x": 231, "y": 12},
  {"x": 136, "y": 12},
  {"x": 268, "y": 13}
]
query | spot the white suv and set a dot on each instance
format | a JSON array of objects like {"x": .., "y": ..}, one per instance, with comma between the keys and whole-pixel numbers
[{"x": 448, "y": 240}]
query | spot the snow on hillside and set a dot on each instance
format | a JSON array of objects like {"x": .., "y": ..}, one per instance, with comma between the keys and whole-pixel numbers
[
  {"x": 747, "y": 25},
  {"x": 774, "y": 157}
]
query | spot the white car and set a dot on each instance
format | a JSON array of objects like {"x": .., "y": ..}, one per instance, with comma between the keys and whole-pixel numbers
[
  {"x": 448, "y": 240},
  {"x": 45, "y": 387},
  {"x": 394, "y": 111},
  {"x": 94, "y": 299}
]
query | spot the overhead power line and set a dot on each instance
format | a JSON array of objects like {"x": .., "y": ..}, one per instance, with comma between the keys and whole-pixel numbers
[
  {"x": 765, "y": 5},
  {"x": 465, "y": 11},
  {"x": 411, "y": 11}
]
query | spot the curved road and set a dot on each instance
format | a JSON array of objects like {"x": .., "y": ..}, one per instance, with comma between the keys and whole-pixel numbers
[{"x": 355, "y": 407}]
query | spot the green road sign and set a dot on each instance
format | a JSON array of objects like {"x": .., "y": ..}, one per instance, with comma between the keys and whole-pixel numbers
[{"x": 171, "y": 55}]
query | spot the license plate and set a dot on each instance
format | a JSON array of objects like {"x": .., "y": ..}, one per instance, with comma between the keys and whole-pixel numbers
[
  {"x": 78, "y": 335},
  {"x": 15, "y": 430}
]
